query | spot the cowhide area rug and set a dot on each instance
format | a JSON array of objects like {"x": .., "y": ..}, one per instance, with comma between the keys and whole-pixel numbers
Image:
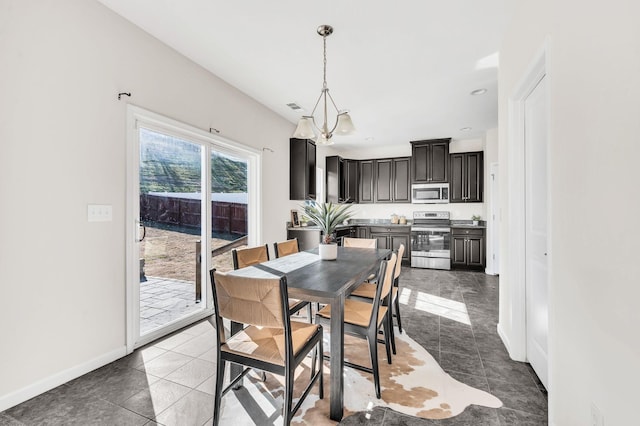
[{"x": 413, "y": 384}]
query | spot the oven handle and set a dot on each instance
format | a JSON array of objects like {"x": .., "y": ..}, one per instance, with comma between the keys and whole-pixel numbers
[{"x": 414, "y": 229}]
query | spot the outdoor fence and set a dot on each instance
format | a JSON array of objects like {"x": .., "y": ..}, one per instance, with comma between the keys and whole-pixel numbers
[{"x": 230, "y": 218}]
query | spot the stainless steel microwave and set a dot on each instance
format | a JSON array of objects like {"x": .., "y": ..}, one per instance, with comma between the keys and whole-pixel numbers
[{"x": 430, "y": 193}]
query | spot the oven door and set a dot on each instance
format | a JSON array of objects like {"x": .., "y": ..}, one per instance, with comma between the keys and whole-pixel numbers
[{"x": 431, "y": 242}]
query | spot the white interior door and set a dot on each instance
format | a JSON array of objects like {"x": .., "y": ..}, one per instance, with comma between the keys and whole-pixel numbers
[
  {"x": 495, "y": 218},
  {"x": 536, "y": 269}
]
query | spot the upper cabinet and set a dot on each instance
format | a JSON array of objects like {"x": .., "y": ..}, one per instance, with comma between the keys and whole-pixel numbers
[
  {"x": 392, "y": 180},
  {"x": 466, "y": 184},
  {"x": 341, "y": 180},
  {"x": 430, "y": 161},
  {"x": 366, "y": 181},
  {"x": 302, "y": 169}
]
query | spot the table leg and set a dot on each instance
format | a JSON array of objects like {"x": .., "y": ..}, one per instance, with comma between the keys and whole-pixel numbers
[{"x": 337, "y": 358}]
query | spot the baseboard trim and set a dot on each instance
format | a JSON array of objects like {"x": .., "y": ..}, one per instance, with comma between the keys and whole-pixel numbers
[
  {"x": 503, "y": 337},
  {"x": 14, "y": 398}
]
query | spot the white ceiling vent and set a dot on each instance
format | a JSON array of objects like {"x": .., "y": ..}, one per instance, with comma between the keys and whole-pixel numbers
[{"x": 294, "y": 106}]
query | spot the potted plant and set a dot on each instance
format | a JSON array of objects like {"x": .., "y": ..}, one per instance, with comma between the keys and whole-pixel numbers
[
  {"x": 475, "y": 218},
  {"x": 327, "y": 216}
]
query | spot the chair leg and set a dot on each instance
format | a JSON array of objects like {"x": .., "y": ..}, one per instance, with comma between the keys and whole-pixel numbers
[
  {"x": 392, "y": 333},
  {"x": 218, "y": 396},
  {"x": 387, "y": 346},
  {"x": 372, "y": 338},
  {"x": 397, "y": 313},
  {"x": 320, "y": 365},
  {"x": 310, "y": 313},
  {"x": 288, "y": 395}
]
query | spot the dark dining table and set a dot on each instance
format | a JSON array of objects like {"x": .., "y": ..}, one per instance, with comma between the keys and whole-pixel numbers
[{"x": 324, "y": 281}]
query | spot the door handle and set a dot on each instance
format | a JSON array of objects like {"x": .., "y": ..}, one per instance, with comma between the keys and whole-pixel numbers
[{"x": 144, "y": 231}]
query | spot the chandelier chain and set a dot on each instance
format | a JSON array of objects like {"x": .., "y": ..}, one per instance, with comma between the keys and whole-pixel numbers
[{"x": 324, "y": 75}]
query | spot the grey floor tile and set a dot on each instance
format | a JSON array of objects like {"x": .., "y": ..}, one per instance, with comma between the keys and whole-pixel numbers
[
  {"x": 197, "y": 345},
  {"x": 467, "y": 364},
  {"x": 165, "y": 364},
  {"x": 193, "y": 373},
  {"x": 457, "y": 340},
  {"x": 193, "y": 409},
  {"x": 140, "y": 356},
  {"x": 508, "y": 371},
  {"x": 478, "y": 381},
  {"x": 510, "y": 417},
  {"x": 171, "y": 342},
  {"x": 6, "y": 420},
  {"x": 521, "y": 397},
  {"x": 373, "y": 417},
  {"x": 112, "y": 383},
  {"x": 154, "y": 400}
]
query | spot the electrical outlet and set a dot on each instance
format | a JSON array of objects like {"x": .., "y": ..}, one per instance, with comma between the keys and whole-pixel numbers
[
  {"x": 99, "y": 213},
  {"x": 596, "y": 416}
]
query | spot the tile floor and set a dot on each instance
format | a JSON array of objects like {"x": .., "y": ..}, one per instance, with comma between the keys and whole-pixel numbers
[{"x": 452, "y": 314}]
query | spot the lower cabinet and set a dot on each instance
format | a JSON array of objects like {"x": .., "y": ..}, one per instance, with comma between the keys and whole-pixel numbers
[
  {"x": 467, "y": 248},
  {"x": 392, "y": 238}
]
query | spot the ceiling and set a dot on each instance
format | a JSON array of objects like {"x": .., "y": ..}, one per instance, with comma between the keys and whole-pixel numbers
[{"x": 404, "y": 69}]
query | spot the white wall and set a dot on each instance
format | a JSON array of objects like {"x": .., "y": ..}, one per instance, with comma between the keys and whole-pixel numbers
[
  {"x": 384, "y": 211},
  {"x": 490, "y": 157},
  {"x": 62, "y": 142},
  {"x": 594, "y": 77}
]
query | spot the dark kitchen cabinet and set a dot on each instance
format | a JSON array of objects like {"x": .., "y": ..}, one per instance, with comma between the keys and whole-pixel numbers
[
  {"x": 430, "y": 161},
  {"x": 392, "y": 180},
  {"x": 341, "y": 180},
  {"x": 467, "y": 248},
  {"x": 467, "y": 176},
  {"x": 383, "y": 180},
  {"x": 366, "y": 181},
  {"x": 362, "y": 232},
  {"x": 390, "y": 237},
  {"x": 402, "y": 180},
  {"x": 334, "y": 180},
  {"x": 350, "y": 175},
  {"x": 302, "y": 169}
]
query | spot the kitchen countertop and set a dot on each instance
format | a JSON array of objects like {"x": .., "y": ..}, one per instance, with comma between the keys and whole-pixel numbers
[
  {"x": 356, "y": 222},
  {"x": 386, "y": 222},
  {"x": 468, "y": 224}
]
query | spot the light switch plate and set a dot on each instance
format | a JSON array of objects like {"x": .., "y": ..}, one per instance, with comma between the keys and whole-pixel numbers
[{"x": 99, "y": 213}]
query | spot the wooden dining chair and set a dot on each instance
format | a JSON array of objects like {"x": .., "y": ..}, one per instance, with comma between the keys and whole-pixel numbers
[
  {"x": 270, "y": 342},
  {"x": 364, "y": 319},
  {"x": 253, "y": 255},
  {"x": 368, "y": 291},
  {"x": 285, "y": 248},
  {"x": 359, "y": 242}
]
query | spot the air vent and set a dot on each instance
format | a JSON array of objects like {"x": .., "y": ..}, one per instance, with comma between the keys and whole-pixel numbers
[{"x": 294, "y": 106}]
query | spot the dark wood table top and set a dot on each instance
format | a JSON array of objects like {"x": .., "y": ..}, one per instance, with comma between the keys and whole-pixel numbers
[{"x": 310, "y": 278}]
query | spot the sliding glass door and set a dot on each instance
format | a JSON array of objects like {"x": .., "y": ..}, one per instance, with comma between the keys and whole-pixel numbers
[{"x": 189, "y": 208}]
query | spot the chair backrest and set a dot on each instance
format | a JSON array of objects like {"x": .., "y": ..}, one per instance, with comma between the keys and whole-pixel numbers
[
  {"x": 285, "y": 248},
  {"x": 360, "y": 242},
  {"x": 398, "y": 264},
  {"x": 385, "y": 282},
  {"x": 255, "y": 301},
  {"x": 249, "y": 256}
]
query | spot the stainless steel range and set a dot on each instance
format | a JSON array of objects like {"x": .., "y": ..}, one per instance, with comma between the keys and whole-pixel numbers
[{"x": 431, "y": 240}]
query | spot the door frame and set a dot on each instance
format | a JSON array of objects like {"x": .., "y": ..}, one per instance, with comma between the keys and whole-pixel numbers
[
  {"x": 515, "y": 339},
  {"x": 137, "y": 116}
]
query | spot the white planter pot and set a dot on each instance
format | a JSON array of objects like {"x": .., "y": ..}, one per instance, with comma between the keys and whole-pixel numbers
[{"x": 328, "y": 251}]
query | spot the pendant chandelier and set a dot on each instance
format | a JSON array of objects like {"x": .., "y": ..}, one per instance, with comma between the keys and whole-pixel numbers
[{"x": 307, "y": 125}]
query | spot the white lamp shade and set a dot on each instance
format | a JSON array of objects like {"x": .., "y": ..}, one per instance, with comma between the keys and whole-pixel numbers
[
  {"x": 305, "y": 129},
  {"x": 322, "y": 140},
  {"x": 345, "y": 125}
]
